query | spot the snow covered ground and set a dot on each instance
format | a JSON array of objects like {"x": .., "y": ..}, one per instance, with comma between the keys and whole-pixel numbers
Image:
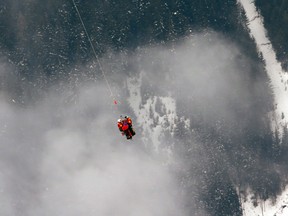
[
  {"x": 278, "y": 77},
  {"x": 154, "y": 124},
  {"x": 280, "y": 208},
  {"x": 146, "y": 112}
]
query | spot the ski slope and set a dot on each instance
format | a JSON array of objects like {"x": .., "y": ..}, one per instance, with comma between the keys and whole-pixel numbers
[
  {"x": 278, "y": 77},
  {"x": 279, "y": 82}
]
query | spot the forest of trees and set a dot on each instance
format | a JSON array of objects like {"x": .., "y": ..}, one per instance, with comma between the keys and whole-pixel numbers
[
  {"x": 37, "y": 33},
  {"x": 275, "y": 15}
]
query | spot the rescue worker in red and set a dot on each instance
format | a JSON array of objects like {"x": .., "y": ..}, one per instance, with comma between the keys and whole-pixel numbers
[{"x": 125, "y": 126}]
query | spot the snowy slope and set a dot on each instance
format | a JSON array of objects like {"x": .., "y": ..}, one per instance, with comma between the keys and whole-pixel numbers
[{"x": 278, "y": 77}]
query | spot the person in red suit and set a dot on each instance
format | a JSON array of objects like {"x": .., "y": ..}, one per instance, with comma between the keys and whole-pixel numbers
[{"x": 125, "y": 126}]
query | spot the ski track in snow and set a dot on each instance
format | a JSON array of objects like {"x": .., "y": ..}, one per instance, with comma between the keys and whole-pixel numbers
[
  {"x": 278, "y": 77},
  {"x": 279, "y": 84}
]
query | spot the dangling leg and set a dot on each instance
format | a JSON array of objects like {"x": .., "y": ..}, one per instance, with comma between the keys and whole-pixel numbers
[
  {"x": 128, "y": 134},
  {"x": 132, "y": 130}
]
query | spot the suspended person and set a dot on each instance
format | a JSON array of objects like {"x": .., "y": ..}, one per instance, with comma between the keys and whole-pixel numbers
[{"x": 125, "y": 126}]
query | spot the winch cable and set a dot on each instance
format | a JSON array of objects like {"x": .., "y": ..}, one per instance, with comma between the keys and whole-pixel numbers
[{"x": 95, "y": 54}]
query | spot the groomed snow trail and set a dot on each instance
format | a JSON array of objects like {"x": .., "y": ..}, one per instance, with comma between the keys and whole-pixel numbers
[{"x": 278, "y": 77}]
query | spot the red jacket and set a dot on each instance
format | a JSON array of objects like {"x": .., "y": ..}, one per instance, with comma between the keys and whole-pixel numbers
[{"x": 124, "y": 124}]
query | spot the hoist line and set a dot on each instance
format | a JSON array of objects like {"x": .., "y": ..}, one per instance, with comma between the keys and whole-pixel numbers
[{"x": 95, "y": 54}]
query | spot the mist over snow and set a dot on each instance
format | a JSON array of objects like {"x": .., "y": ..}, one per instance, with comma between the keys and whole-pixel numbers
[
  {"x": 207, "y": 76},
  {"x": 62, "y": 153},
  {"x": 215, "y": 87},
  {"x": 199, "y": 80},
  {"x": 63, "y": 156}
]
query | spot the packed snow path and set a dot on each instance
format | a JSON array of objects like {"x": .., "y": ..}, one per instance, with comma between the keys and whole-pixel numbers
[{"x": 278, "y": 77}]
